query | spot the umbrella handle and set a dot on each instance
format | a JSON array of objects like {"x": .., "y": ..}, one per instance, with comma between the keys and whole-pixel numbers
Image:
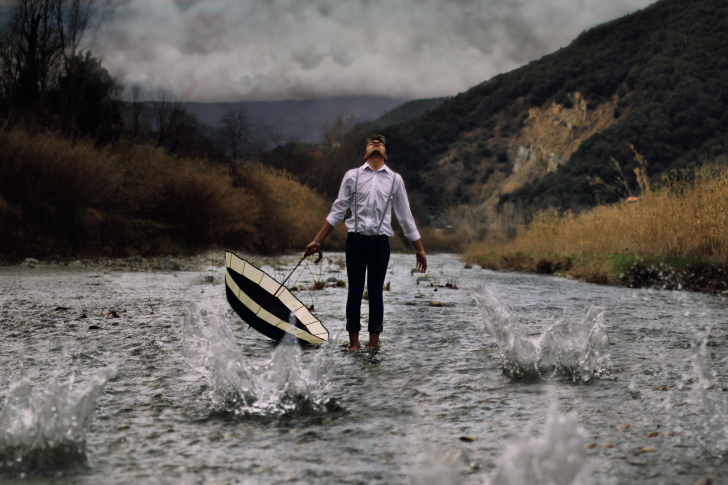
[{"x": 318, "y": 260}]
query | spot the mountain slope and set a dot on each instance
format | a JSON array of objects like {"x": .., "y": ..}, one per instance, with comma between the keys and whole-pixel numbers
[
  {"x": 302, "y": 120},
  {"x": 656, "y": 79},
  {"x": 405, "y": 112}
]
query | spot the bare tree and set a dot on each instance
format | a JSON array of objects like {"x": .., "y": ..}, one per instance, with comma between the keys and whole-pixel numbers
[
  {"x": 41, "y": 43},
  {"x": 235, "y": 135},
  {"x": 77, "y": 22},
  {"x": 275, "y": 140},
  {"x": 183, "y": 134},
  {"x": 36, "y": 49},
  {"x": 135, "y": 114},
  {"x": 331, "y": 168},
  {"x": 167, "y": 114},
  {"x": 332, "y": 136}
]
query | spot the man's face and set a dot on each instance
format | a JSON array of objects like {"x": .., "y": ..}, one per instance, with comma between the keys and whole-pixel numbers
[{"x": 376, "y": 147}]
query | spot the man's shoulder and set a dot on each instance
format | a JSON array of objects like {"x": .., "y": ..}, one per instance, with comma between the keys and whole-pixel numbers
[
  {"x": 350, "y": 173},
  {"x": 397, "y": 177}
]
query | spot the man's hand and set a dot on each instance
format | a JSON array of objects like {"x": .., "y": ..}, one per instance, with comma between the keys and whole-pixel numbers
[
  {"x": 420, "y": 254},
  {"x": 421, "y": 260},
  {"x": 315, "y": 245},
  {"x": 312, "y": 248}
]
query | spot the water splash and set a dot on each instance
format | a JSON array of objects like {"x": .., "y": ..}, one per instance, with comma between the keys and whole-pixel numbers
[
  {"x": 47, "y": 430},
  {"x": 556, "y": 458},
  {"x": 279, "y": 386},
  {"x": 432, "y": 467},
  {"x": 209, "y": 347},
  {"x": 698, "y": 416},
  {"x": 580, "y": 350},
  {"x": 713, "y": 422},
  {"x": 576, "y": 350}
]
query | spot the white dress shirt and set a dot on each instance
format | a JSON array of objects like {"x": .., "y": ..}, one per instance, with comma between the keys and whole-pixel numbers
[{"x": 374, "y": 188}]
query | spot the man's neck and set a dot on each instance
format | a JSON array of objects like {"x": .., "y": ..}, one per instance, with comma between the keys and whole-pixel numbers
[{"x": 375, "y": 163}]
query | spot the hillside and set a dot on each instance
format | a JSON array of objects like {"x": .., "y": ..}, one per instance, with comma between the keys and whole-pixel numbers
[
  {"x": 535, "y": 137},
  {"x": 404, "y": 112}
]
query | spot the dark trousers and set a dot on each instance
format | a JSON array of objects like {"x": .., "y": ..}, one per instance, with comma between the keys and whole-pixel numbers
[{"x": 366, "y": 255}]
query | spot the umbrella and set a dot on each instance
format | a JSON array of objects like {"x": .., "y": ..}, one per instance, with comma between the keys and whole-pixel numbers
[{"x": 267, "y": 305}]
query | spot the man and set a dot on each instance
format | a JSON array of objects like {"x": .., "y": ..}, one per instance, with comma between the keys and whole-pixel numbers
[{"x": 370, "y": 191}]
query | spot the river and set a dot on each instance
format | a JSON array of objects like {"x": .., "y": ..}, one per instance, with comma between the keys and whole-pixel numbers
[{"x": 482, "y": 377}]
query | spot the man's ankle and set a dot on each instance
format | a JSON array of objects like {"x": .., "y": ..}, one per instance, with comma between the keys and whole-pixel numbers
[
  {"x": 373, "y": 340},
  {"x": 354, "y": 340}
]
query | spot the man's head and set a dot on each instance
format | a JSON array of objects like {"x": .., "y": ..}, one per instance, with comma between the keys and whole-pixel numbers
[{"x": 375, "y": 147}]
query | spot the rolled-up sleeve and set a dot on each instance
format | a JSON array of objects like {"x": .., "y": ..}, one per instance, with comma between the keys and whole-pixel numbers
[
  {"x": 404, "y": 213},
  {"x": 342, "y": 202}
]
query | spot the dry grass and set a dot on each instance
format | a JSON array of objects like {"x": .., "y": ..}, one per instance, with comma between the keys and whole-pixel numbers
[
  {"x": 64, "y": 199},
  {"x": 50, "y": 170},
  {"x": 439, "y": 241},
  {"x": 675, "y": 237},
  {"x": 674, "y": 222},
  {"x": 292, "y": 213}
]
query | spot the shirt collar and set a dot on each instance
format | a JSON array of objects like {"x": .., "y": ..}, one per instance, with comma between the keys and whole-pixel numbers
[{"x": 366, "y": 166}]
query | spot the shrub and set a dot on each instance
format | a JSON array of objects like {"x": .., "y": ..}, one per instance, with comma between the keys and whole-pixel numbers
[
  {"x": 68, "y": 199},
  {"x": 293, "y": 213}
]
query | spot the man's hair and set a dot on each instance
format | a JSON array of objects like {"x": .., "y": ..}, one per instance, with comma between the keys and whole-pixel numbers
[{"x": 375, "y": 136}]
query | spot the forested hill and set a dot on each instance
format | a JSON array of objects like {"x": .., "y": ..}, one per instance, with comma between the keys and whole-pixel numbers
[
  {"x": 405, "y": 112},
  {"x": 541, "y": 135}
]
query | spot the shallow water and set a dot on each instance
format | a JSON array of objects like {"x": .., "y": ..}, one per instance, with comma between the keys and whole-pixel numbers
[{"x": 432, "y": 406}]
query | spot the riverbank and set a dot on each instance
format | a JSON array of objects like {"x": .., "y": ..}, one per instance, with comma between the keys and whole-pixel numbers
[
  {"x": 136, "y": 263},
  {"x": 617, "y": 269},
  {"x": 672, "y": 238}
]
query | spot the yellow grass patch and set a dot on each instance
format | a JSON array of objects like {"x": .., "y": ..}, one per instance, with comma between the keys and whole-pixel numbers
[{"x": 678, "y": 221}]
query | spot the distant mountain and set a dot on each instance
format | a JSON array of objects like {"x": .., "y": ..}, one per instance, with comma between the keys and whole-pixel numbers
[
  {"x": 547, "y": 134},
  {"x": 302, "y": 120}
]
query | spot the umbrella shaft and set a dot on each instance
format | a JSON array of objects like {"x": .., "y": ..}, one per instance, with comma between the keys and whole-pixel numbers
[{"x": 289, "y": 275}]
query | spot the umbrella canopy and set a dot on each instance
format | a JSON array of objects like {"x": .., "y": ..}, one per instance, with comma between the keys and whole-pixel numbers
[{"x": 265, "y": 305}]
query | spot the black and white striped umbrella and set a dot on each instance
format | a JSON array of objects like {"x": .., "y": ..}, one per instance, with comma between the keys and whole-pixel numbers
[{"x": 266, "y": 305}]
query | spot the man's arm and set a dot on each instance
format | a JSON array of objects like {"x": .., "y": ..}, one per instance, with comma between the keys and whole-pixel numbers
[
  {"x": 338, "y": 210},
  {"x": 314, "y": 245},
  {"x": 404, "y": 216}
]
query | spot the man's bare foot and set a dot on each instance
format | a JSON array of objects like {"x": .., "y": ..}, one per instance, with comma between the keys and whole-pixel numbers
[{"x": 356, "y": 346}]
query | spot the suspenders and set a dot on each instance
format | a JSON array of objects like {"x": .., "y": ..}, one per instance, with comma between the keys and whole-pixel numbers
[
  {"x": 389, "y": 200},
  {"x": 356, "y": 201}
]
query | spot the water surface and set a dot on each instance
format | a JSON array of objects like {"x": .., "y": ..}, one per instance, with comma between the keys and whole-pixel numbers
[{"x": 194, "y": 396}]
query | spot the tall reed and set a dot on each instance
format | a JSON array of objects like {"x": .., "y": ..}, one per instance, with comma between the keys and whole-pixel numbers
[{"x": 674, "y": 221}]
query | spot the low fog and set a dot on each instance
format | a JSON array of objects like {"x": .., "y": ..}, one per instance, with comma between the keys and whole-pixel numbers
[{"x": 228, "y": 50}]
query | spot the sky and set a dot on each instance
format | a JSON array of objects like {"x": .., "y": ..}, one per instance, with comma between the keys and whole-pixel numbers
[{"x": 233, "y": 50}]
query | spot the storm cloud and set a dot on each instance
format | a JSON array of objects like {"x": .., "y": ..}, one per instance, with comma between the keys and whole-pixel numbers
[{"x": 225, "y": 50}]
